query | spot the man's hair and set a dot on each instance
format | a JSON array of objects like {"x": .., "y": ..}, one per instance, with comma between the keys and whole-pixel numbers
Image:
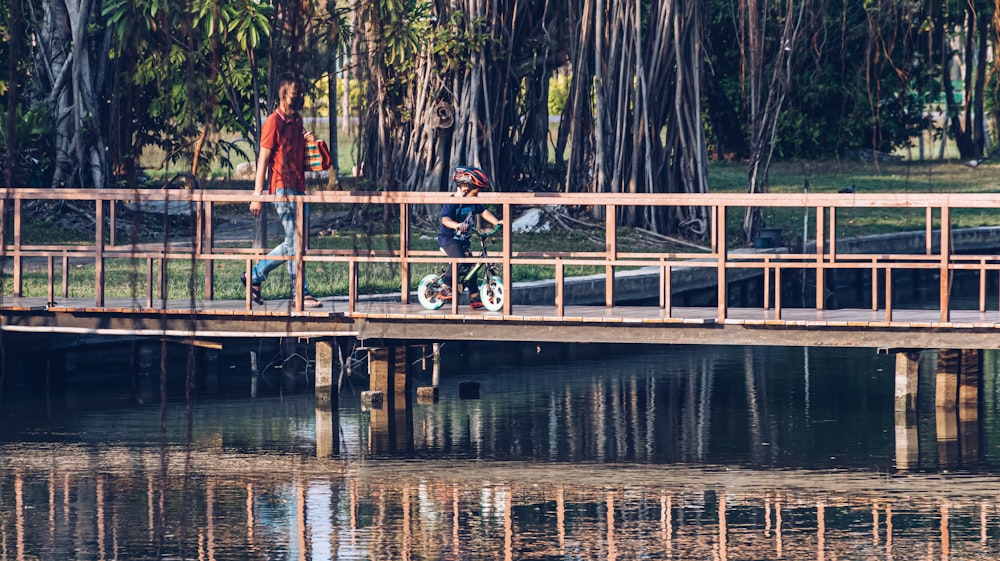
[{"x": 284, "y": 81}]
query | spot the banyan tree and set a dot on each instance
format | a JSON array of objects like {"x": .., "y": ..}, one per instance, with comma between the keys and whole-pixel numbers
[{"x": 468, "y": 82}]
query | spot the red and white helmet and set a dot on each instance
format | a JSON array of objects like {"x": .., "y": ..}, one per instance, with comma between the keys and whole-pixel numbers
[{"x": 474, "y": 177}]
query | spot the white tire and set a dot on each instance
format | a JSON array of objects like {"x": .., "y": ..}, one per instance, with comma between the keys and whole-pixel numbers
[
  {"x": 491, "y": 292},
  {"x": 427, "y": 292}
]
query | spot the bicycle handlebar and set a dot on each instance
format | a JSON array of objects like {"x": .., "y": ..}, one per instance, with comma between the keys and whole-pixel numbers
[{"x": 484, "y": 233}]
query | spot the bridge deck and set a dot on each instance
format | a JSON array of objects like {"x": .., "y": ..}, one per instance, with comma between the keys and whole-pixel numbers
[{"x": 394, "y": 320}]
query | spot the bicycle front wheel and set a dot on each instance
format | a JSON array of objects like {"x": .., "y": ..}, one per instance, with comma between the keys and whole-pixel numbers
[{"x": 491, "y": 292}]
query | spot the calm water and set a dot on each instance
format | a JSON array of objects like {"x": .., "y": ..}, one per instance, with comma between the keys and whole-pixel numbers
[{"x": 673, "y": 453}]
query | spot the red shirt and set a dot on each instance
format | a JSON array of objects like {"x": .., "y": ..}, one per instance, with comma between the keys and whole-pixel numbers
[{"x": 282, "y": 134}]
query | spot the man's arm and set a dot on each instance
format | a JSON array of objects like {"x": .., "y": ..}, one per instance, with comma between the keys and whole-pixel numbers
[{"x": 258, "y": 181}]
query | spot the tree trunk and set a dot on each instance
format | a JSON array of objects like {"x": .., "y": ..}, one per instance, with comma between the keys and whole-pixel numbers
[
  {"x": 64, "y": 74},
  {"x": 13, "y": 92},
  {"x": 333, "y": 180},
  {"x": 774, "y": 67}
]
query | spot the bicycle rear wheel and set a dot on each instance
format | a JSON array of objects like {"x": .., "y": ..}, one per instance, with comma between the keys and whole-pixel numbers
[{"x": 427, "y": 292}]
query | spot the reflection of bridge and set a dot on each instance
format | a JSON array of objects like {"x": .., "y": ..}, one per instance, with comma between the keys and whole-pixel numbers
[
  {"x": 150, "y": 308},
  {"x": 107, "y": 502}
]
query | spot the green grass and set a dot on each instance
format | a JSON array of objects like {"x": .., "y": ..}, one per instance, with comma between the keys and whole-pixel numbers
[{"x": 884, "y": 177}]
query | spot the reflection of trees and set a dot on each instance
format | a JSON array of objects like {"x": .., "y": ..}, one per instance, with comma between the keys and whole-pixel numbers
[
  {"x": 707, "y": 404},
  {"x": 127, "y": 504}
]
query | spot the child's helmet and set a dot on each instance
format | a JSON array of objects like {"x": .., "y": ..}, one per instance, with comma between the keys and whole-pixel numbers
[{"x": 474, "y": 177}]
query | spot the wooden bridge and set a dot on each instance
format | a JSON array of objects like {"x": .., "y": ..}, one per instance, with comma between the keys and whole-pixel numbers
[{"x": 49, "y": 305}]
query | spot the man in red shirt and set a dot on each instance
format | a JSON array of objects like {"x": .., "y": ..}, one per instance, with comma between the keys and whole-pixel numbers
[{"x": 282, "y": 153}]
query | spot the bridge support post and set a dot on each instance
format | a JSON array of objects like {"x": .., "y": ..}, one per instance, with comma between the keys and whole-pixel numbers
[
  {"x": 968, "y": 384},
  {"x": 945, "y": 400},
  {"x": 327, "y": 429},
  {"x": 907, "y": 440},
  {"x": 327, "y": 399},
  {"x": 957, "y": 401},
  {"x": 392, "y": 422},
  {"x": 968, "y": 403},
  {"x": 327, "y": 387},
  {"x": 946, "y": 378},
  {"x": 427, "y": 395},
  {"x": 957, "y": 382},
  {"x": 906, "y": 380},
  {"x": 907, "y": 437}
]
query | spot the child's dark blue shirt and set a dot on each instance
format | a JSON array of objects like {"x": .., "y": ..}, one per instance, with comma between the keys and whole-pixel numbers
[{"x": 459, "y": 213}]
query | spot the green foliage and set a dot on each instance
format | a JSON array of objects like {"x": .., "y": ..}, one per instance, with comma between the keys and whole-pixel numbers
[
  {"x": 33, "y": 161},
  {"x": 190, "y": 68},
  {"x": 862, "y": 84},
  {"x": 559, "y": 86},
  {"x": 454, "y": 44}
]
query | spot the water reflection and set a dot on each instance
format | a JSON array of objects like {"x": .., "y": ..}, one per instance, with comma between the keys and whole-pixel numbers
[
  {"x": 679, "y": 453},
  {"x": 123, "y": 504},
  {"x": 766, "y": 408}
]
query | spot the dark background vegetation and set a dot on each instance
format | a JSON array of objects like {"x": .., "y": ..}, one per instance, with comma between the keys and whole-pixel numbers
[{"x": 568, "y": 95}]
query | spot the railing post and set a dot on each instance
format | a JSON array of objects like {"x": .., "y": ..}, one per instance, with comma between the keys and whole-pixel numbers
[
  {"x": 945, "y": 263},
  {"x": 767, "y": 283},
  {"x": 719, "y": 217},
  {"x": 352, "y": 285},
  {"x": 162, "y": 282},
  {"x": 929, "y": 231},
  {"x": 247, "y": 295},
  {"x": 112, "y": 224},
  {"x": 300, "y": 251},
  {"x": 665, "y": 283},
  {"x": 777, "y": 292},
  {"x": 888, "y": 292},
  {"x": 456, "y": 292},
  {"x": 832, "y": 250},
  {"x": 208, "y": 248},
  {"x": 51, "y": 292},
  {"x": 610, "y": 253},
  {"x": 560, "y": 300},
  {"x": 874, "y": 285},
  {"x": 65, "y": 274},
  {"x": 505, "y": 266},
  {"x": 149, "y": 284},
  {"x": 982, "y": 285},
  {"x": 404, "y": 253},
  {"x": 99, "y": 254},
  {"x": 18, "y": 223},
  {"x": 820, "y": 256}
]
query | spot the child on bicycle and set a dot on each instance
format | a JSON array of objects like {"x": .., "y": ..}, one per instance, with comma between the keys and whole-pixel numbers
[{"x": 457, "y": 222}]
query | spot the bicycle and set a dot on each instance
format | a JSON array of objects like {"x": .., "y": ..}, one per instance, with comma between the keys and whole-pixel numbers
[{"x": 490, "y": 285}]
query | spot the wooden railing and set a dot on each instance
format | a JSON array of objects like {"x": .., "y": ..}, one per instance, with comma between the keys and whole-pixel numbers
[{"x": 724, "y": 237}]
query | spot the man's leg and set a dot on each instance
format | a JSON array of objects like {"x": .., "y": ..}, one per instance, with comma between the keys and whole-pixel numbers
[
  {"x": 288, "y": 223},
  {"x": 286, "y": 214}
]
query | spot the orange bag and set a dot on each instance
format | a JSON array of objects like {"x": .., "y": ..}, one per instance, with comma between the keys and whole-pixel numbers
[{"x": 317, "y": 156}]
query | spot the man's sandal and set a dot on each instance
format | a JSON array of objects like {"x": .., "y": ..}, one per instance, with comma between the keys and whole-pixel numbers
[
  {"x": 255, "y": 294},
  {"x": 309, "y": 301}
]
